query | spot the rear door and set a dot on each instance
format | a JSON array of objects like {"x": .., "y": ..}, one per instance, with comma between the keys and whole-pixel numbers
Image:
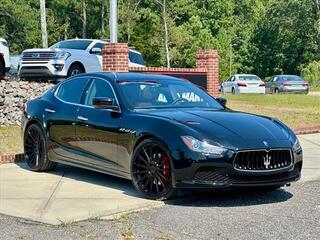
[
  {"x": 97, "y": 129},
  {"x": 60, "y": 117}
]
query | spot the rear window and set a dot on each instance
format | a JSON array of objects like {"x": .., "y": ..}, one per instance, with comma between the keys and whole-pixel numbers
[
  {"x": 73, "y": 44},
  {"x": 136, "y": 58},
  {"x": 249, "y": 78},
  {"x": 71, "y": 91},
  {"x": 291, "y": 78}
]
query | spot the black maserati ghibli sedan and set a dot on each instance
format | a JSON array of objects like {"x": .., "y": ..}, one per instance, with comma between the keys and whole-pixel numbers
[{"x": 161, "y": 132}]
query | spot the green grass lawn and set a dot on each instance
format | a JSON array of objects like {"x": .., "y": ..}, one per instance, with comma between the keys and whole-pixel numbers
[
  {"x": 315, "y": 89},
  {"x": 10, "y": 140},
  {"x": 296, "y": 110}
]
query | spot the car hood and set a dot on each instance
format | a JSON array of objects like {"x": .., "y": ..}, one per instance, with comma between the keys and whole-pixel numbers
[{"x": 235, "y": 129}]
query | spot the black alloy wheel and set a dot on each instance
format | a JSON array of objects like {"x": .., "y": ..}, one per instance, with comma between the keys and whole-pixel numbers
[
  {"x": 151, "y": 170},
  {"x": 35, "y": 150}
]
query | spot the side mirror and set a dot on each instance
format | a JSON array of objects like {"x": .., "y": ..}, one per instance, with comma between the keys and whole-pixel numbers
[
  {"x": 222, "y": 101},
  {"x": 96, "y": 51},
  {"x": 105, "y": 103}
]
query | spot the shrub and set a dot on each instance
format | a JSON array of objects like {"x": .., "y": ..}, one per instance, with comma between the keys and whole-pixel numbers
[{"x": 311, "y": 72}]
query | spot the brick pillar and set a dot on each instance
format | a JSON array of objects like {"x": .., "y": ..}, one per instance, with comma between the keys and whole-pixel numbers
[
  {"x": 115, "y": 57},
  {"x": 208, "y": 60}
]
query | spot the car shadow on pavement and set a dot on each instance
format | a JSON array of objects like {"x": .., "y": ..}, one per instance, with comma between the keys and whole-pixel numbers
[
  {"x": 231, "y": 198},
  {"x": 216, "y": 198},
  {"x": 91, "y": 177}
]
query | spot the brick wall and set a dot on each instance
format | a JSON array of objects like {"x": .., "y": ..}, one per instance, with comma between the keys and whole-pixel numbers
[
  {"x": 208, "y": 60},
  {"x": 116, "y": 59}
]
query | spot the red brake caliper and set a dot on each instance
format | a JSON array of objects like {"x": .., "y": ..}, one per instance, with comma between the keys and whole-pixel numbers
[{"x": 166, "y": 168}]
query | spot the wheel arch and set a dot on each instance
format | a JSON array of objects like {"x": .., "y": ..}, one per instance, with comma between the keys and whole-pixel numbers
[
  {"x": 3, "y": 63},
  {"x": 31, "y": 122},
  {"x": 77, "y": 63}
]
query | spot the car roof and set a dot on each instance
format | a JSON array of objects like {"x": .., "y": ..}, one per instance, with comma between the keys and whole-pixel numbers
[
  {"x": 240, "y": 75},
  {"x": 96, "y": 40},
  {"x": 286, "y": 75},
  {"x": 131, "y": 76}
]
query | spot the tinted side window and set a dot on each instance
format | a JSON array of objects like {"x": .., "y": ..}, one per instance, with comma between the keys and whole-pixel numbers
[
  {"x": 98, "y": 45},
  {"x": 72, "y": 90},
  {"x": 135, "y": 58},
  {"x": 98, "y": 89}
]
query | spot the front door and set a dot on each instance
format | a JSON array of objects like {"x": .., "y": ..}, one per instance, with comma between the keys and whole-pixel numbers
[{"x": 96, "y": 129}]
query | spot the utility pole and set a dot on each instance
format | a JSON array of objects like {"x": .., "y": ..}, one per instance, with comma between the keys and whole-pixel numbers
[
  {"x": 43, "y": 24},
  {"x": 231, "y": 58},
  {"x": 113, "y": 21}
]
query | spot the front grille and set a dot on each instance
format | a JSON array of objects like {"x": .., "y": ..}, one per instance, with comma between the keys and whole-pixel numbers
[
  {"x": 32, "y": 56},
  {"x": 263, "y": 160},
  {"x": 209, "y": 175}
]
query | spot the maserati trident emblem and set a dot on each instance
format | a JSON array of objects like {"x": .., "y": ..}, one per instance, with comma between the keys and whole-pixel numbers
[
  {"x": 266, "y": 143},
  {"x": 267, "y": 161}
]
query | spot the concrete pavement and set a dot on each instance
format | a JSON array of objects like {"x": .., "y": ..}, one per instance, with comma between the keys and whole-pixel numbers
[
  {"x": 65, "y": 195},
  {"x": 70, "y": 194},
  {"x": 311, "y": 153}
]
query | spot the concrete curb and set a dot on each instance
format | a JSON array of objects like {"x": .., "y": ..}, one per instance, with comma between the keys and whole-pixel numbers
[{"x": 11, "y": 158}]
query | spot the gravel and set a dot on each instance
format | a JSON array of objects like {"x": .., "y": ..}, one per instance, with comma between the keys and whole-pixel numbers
[{"x": 289, "y": 213}]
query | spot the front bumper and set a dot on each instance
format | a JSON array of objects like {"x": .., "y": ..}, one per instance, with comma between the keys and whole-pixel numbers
[
  {"x": 220, "y": 173},
  {"x": 42, "y": 70}
]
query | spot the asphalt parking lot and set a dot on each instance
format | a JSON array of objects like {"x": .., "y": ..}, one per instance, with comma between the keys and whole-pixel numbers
[{"x": 288, "y": 213}]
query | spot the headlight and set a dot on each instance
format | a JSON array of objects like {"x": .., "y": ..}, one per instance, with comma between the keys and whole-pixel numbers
[
  {"x": 63, "y": 55},
  {"x": 203, "y": 147},
  {"x": 296, "y": 146}
]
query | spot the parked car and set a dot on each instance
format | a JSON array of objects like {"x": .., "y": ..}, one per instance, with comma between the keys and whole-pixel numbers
[
  {"x": 4, "y": 57},
  {"x": 161, "y": 132},
  {"x": 243, "y": 83},
  {"x": 287, "y": 83},
  {"x": 67, "y": 58}
]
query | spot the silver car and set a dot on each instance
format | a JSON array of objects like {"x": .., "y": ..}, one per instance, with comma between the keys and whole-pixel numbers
[{"x": 287, "y": 83}]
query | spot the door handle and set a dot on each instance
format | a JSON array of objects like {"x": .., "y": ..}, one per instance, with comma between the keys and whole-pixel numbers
[
  {"x": 49, "y": 110},
  {"x": 82, "y": 118}
]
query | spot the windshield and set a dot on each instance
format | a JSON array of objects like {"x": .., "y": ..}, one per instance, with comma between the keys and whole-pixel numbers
[
  {"x": 135, "y": 58},
  {"x": 292, "y": 78},
  {"x": 73, "y": 44},
  {"x": 249, "y": 78},
  {"x": 168, "y": 94}
]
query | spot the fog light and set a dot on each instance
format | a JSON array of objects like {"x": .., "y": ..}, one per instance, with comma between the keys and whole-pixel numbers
[{"x": 58, "y": 67}]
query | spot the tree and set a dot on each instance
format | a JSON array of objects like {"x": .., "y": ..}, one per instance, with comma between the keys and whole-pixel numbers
[
  {"x": 163, "y": 4},
  {"x": 43, "y": 23}
]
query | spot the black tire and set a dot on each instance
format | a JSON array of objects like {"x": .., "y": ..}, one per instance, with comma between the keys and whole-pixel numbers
[
  {"x": 35, "y": 150},
  {"x": 151, "y": 170},
  {"x": 2, "y": 70},
  {"x": 276, "y": 91},
  {"x": 233, "y": 91},
  {"x": 75, "y": 69}
]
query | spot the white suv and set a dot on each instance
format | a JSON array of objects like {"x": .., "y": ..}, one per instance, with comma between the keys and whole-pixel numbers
[
  {"x": 4, "y": 57},
  {"x": 67, "y": 58}
]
